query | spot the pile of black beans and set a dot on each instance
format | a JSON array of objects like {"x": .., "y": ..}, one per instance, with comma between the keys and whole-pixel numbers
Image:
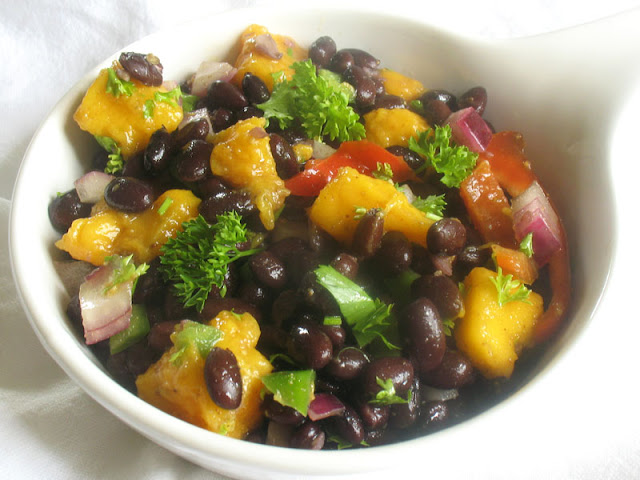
[{"x": 278, "y": 285}]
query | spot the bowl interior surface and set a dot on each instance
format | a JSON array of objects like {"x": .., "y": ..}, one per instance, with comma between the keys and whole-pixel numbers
[{"x": 558, "y": 145}]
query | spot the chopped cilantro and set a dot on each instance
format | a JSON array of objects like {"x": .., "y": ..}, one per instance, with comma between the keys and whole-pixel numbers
[
  {"x": 509, "y": 290},
  {"x": 124, "y": 270},
  {"x": 383, "y": 172},
  {"x": 368, "y": 318},
  {"x": 387, "y": 396},
  {"x": 359, "y": 212},
  {"x": 433, "y": 206},
  {"x": 171, "y": 97},
  {"x": 189, "y": 102},
  {"x": 165, "y": 206},
  {"x": 319, "y": 104},
  {"x": 198, "y": 257},
  {"x": 148, "y": 108},
  {"x": 454, "y": 162},
  {"x": 189, "y": 333},
  {"x": 116, "y": 86},
  {"x": 115, "y": 163},
  {"x": 526, "y": 245}
]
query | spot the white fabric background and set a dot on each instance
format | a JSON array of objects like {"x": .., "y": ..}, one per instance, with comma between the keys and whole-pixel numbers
[{"x": 48, "y": 427}]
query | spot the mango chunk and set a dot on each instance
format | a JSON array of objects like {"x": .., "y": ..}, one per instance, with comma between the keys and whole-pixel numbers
[
  {"x": 398, "y": 84},
  {"x": 242, "y": 156},
  {"x": 493, "y": 336},
  {"x": 252, "y": 60},
  {"x": 123, "y": 118},
  {"x": 181, "y": 391},
  {"x": 334, "y": 209},
  {"x": 110, "y": 232},
  {"x": 388, "y": 127}
]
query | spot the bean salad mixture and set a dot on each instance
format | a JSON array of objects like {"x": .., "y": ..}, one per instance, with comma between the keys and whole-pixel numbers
[{"x": 304, "y": 248}]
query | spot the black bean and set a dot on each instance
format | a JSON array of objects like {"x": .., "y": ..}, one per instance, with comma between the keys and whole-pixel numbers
[
  {"x": 308, "y": 436},
  {"x": 128, "y": 195},
  {"x": 309, "y": 345},
  {"x": 222, "y": 377},
  {"x": 293, "y": 136},
  {"x": 340, "y": 61},
  {"x": 446, "y": 236},
  {"x": 475, "y": 97},
  {"x": 255, "y": 294},
  {"x": 149, "y": 286},
  {"x": 158, "y": 151},
  {"x": 145, "y": 68},
  {"x": 196, "y": 130},
  {"x": 368, "y": 233},
  {"x": 221, "y": 119},
  {"x": 285, "y": 307},
  {"x": 66, "y": 208},
  {"x": 373, "y": 416},
  {"x": 99, "y": 160},
  {"x": 139, "y": 358},
  {"x": 348, "y": 425},
  {"x": 174, "y": 308},
  {"x": 288, "y": 248},
  {"x": 255, "y": 90},
  {"x": 405, "y": 414},
  {"x": 442, "y": 95},
  {"x": 286, "y": 162},
  {"x": 347, "y": 364},
  {"x": 362, "y": 58},
  {"x": 421, "y": 260},
  {"x": 134, "y": 167},
  {"x": 421, "y": 327},
  {"x": 435, "y": 111},
  {"x": 395, "y": 254},
  {"x": 318, "y": 296},
  {"x": 432, "y": 416},
  {"x": 470, "y": 257},
  {"x": 223, "y": 94},
  {"x": 397, "y": 369},
  {"x": 321, "y": 51},
  {"x": 454, "y": 371},
  {"x": 193, "y": 163},
  {"x": 336, "y": 334},
  {"x": 226, "y": 201},
  {"x": 442, "y": 291},
  {"x": 320, "y": 241},
  {"x": 248, "y": 112},
  {"x": 409, "y": 156},
  {"x": 268, "y": 270},
  {"x": 389, "y": 101},
  {"x": 346, "y": 264},
  {"x": 282, "y": 414},
  {"x": 159, "y": 337},
  {"x": 365, "y": 88}
]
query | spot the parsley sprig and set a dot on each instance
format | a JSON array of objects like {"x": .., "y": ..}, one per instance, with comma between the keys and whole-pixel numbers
[
  {"x": 116, "y": 86},
  {"x": 317, "y": 103},
  {"x": 509, "y": 289},
  {"x": 387, "y": 395},
  {"x": 433, "y": 206},
  {"x": 115, "y": 163},
  {"x": 454, "y": 162},
  {"x": 198, "y": 257}
]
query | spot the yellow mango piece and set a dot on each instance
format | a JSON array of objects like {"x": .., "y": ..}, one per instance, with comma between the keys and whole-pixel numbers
[
  {"x": 251, "y": 60},
  {"x": 388, "y": 127},
  {"x": 398, "y": 84},
  {"x": 334, "y": 209},
  {"x": 242, "y": 156},
  {"x": 492, "y": 336},
  {"x": 110, "y": 232},
  {"x": 122, "y": 118},
  {"x": 181, "y": 391}
]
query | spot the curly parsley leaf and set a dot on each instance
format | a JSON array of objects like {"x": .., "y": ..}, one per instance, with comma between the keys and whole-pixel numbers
[
  {"x": 116, "y": 86},
  {"x": 368, "y": 318},
  {"x": 509, "y": 289},
  {"x": 526, "y": 245},
  {"x": 433, "y": 206},
  {"x": 383, "y": 172},
  {"x": 387, "y": 395},
  {"x": 198, "y": 257},
  {"x": 115, "y": 163},
  {"x": 448, "y": 325},
  {"x": 317, "y": 103},
  {"x": 454, "y": 162}
]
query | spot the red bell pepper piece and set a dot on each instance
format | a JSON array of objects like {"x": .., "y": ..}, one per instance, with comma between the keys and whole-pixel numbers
[{"x": 362, "y": 155}]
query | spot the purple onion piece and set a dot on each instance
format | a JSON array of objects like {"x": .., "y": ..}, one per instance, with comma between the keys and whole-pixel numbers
[
  {"x": 469, "y": 129},
  {"x": 325, "y": 405}
]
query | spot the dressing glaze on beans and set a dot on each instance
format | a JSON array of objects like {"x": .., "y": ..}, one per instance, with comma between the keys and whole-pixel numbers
[{"x": 273, "y": 311}]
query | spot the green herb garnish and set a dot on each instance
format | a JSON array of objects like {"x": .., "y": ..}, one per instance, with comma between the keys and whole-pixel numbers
[
  {"x": 115, "y": 163},
  {"x": 383, "y": 172},
  {"x": 433, "y": 206},
  {"x": 332, "y": 320},
  {"x": 116, "y": 86},
  {"x": 124, "y": 270},
  {"x": 359, "y": 212},
  {"x": 193, "y": 334},
  {"x": 454, "y": 162},
  {"x": 509, "y": 290},
  {"x": 526, "y": 245},
  {"x": 368, "y": 318},
  {"x": 292, "y": 388},
  {"x": 189, "y": 102},
  {"x": 148, "y": 108},
  {"x": 198, "y": 257},
  {"x": 319, "y": 104},
  {"x": 388, "y": 396},
  {"x": 447, "y": 326},
  {"x": 165, "y": 206},
  {"x": 172, "y": 97}
]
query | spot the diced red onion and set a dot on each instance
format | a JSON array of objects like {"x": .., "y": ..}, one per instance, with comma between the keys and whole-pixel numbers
[
  {"x": 90, "y": 187},
  {"x": 432, "y": 394},
  {"x": 469, "y": 129},
  {"x": 207, "y": 73},
  {"x": 169, "y": 85},
  {"x": 444, "y": 263},
  {"x": 325, "y": 405},
  {"x": 322, "y": 150},
  {"x": 195, "y": 116},
  {"x": 104, "y": 313},
  {"x": 532, "y": 213},
  {"x": 258, "y": 132},
  {"x": 267, "y": 46}
]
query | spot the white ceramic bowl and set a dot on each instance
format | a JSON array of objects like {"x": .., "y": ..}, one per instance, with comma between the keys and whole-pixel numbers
[{"x": 545, "y": 87}]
